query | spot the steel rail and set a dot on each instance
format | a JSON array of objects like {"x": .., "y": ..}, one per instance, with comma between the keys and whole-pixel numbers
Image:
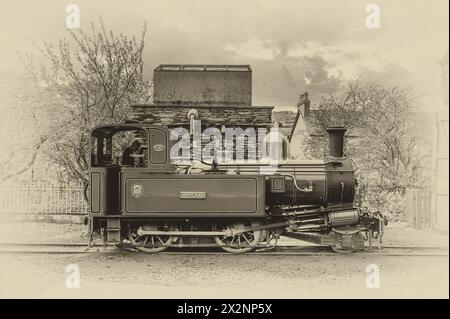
[
  {"x": 44, "y": 244},
  {"x": 284, "y": 250}
]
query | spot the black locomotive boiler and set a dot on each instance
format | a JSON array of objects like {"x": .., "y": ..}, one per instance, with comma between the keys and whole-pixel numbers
[{"x": 155, "y": 203}]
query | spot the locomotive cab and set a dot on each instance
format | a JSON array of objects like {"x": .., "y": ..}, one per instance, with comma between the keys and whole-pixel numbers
[
  {"x": 108, "y": 142},
  {"x": 107, "y": 166}
]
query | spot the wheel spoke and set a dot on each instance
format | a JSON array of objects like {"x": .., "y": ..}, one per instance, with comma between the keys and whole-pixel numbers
[
  {"x": 242, "y": 242},
  {"x": 245, "y": 237},
  {"x": 148, "y": 243}
]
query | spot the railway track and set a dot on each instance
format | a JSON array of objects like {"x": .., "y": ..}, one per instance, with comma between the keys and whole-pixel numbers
[{"x": 281, "y": 250}]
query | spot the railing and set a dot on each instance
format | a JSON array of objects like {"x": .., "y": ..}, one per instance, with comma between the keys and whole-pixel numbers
[{"x": 42, "y": 197}]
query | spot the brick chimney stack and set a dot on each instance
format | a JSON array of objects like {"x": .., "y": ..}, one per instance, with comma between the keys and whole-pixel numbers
[{"x": 304, "y": 105}]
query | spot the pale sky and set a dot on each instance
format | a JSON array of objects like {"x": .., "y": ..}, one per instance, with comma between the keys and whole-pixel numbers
[{"x": 293, "y": 46}]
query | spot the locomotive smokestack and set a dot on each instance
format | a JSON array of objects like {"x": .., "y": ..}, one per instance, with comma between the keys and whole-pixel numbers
[{"x": 336, "y": 141}]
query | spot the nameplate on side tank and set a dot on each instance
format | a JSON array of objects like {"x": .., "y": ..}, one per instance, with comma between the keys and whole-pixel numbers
[{"x": 192, "y": 195}]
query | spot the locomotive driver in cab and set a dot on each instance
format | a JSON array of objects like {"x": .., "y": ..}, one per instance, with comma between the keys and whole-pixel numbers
[{"x": 127, "y": 158}]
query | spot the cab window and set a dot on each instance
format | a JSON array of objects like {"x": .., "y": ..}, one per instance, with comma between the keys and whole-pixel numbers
[{"x": 119, "y": 147}]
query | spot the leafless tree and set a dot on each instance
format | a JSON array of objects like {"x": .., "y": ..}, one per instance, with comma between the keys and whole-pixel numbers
[
  {"x": 385, "y": 136},
  {"x": 89, "y": 79}
]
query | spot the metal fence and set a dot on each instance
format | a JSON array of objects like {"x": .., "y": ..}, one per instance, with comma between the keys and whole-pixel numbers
[{"x": 42, "y": 197}]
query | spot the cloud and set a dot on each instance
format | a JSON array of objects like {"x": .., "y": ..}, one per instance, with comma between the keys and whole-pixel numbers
[
  {"x": 319, "y": 80},
  {"x": 289, "y": 78},
  {"x": 292, "y": 45},
  {"x": 389, "y": 75}
]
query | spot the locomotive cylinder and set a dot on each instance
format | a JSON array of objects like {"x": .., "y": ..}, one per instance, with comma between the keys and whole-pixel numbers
[{"x": 346, "y": 217}]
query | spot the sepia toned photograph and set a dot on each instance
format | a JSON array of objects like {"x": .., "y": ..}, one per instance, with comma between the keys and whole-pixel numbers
[{"x": 224, "y": 154}]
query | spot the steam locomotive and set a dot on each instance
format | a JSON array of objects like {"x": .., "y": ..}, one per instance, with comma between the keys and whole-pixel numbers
[{"x": 156, "y": 204}]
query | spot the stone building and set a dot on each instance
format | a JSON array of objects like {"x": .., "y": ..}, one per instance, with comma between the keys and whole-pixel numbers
[
  {"x": 219, "y": 96},
  {"x": 440, "y": 192}
]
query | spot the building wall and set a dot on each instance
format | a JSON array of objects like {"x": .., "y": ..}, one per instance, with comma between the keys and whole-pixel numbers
[
  {"x": 177, "y": 115},
  {"x": 202, "y": 87},
  {"x": 219, "y": 96},
  {"x": 440, "y": 203},
  {"x": 441, "y": 172},
  {"x": 255, "y": 117}
]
